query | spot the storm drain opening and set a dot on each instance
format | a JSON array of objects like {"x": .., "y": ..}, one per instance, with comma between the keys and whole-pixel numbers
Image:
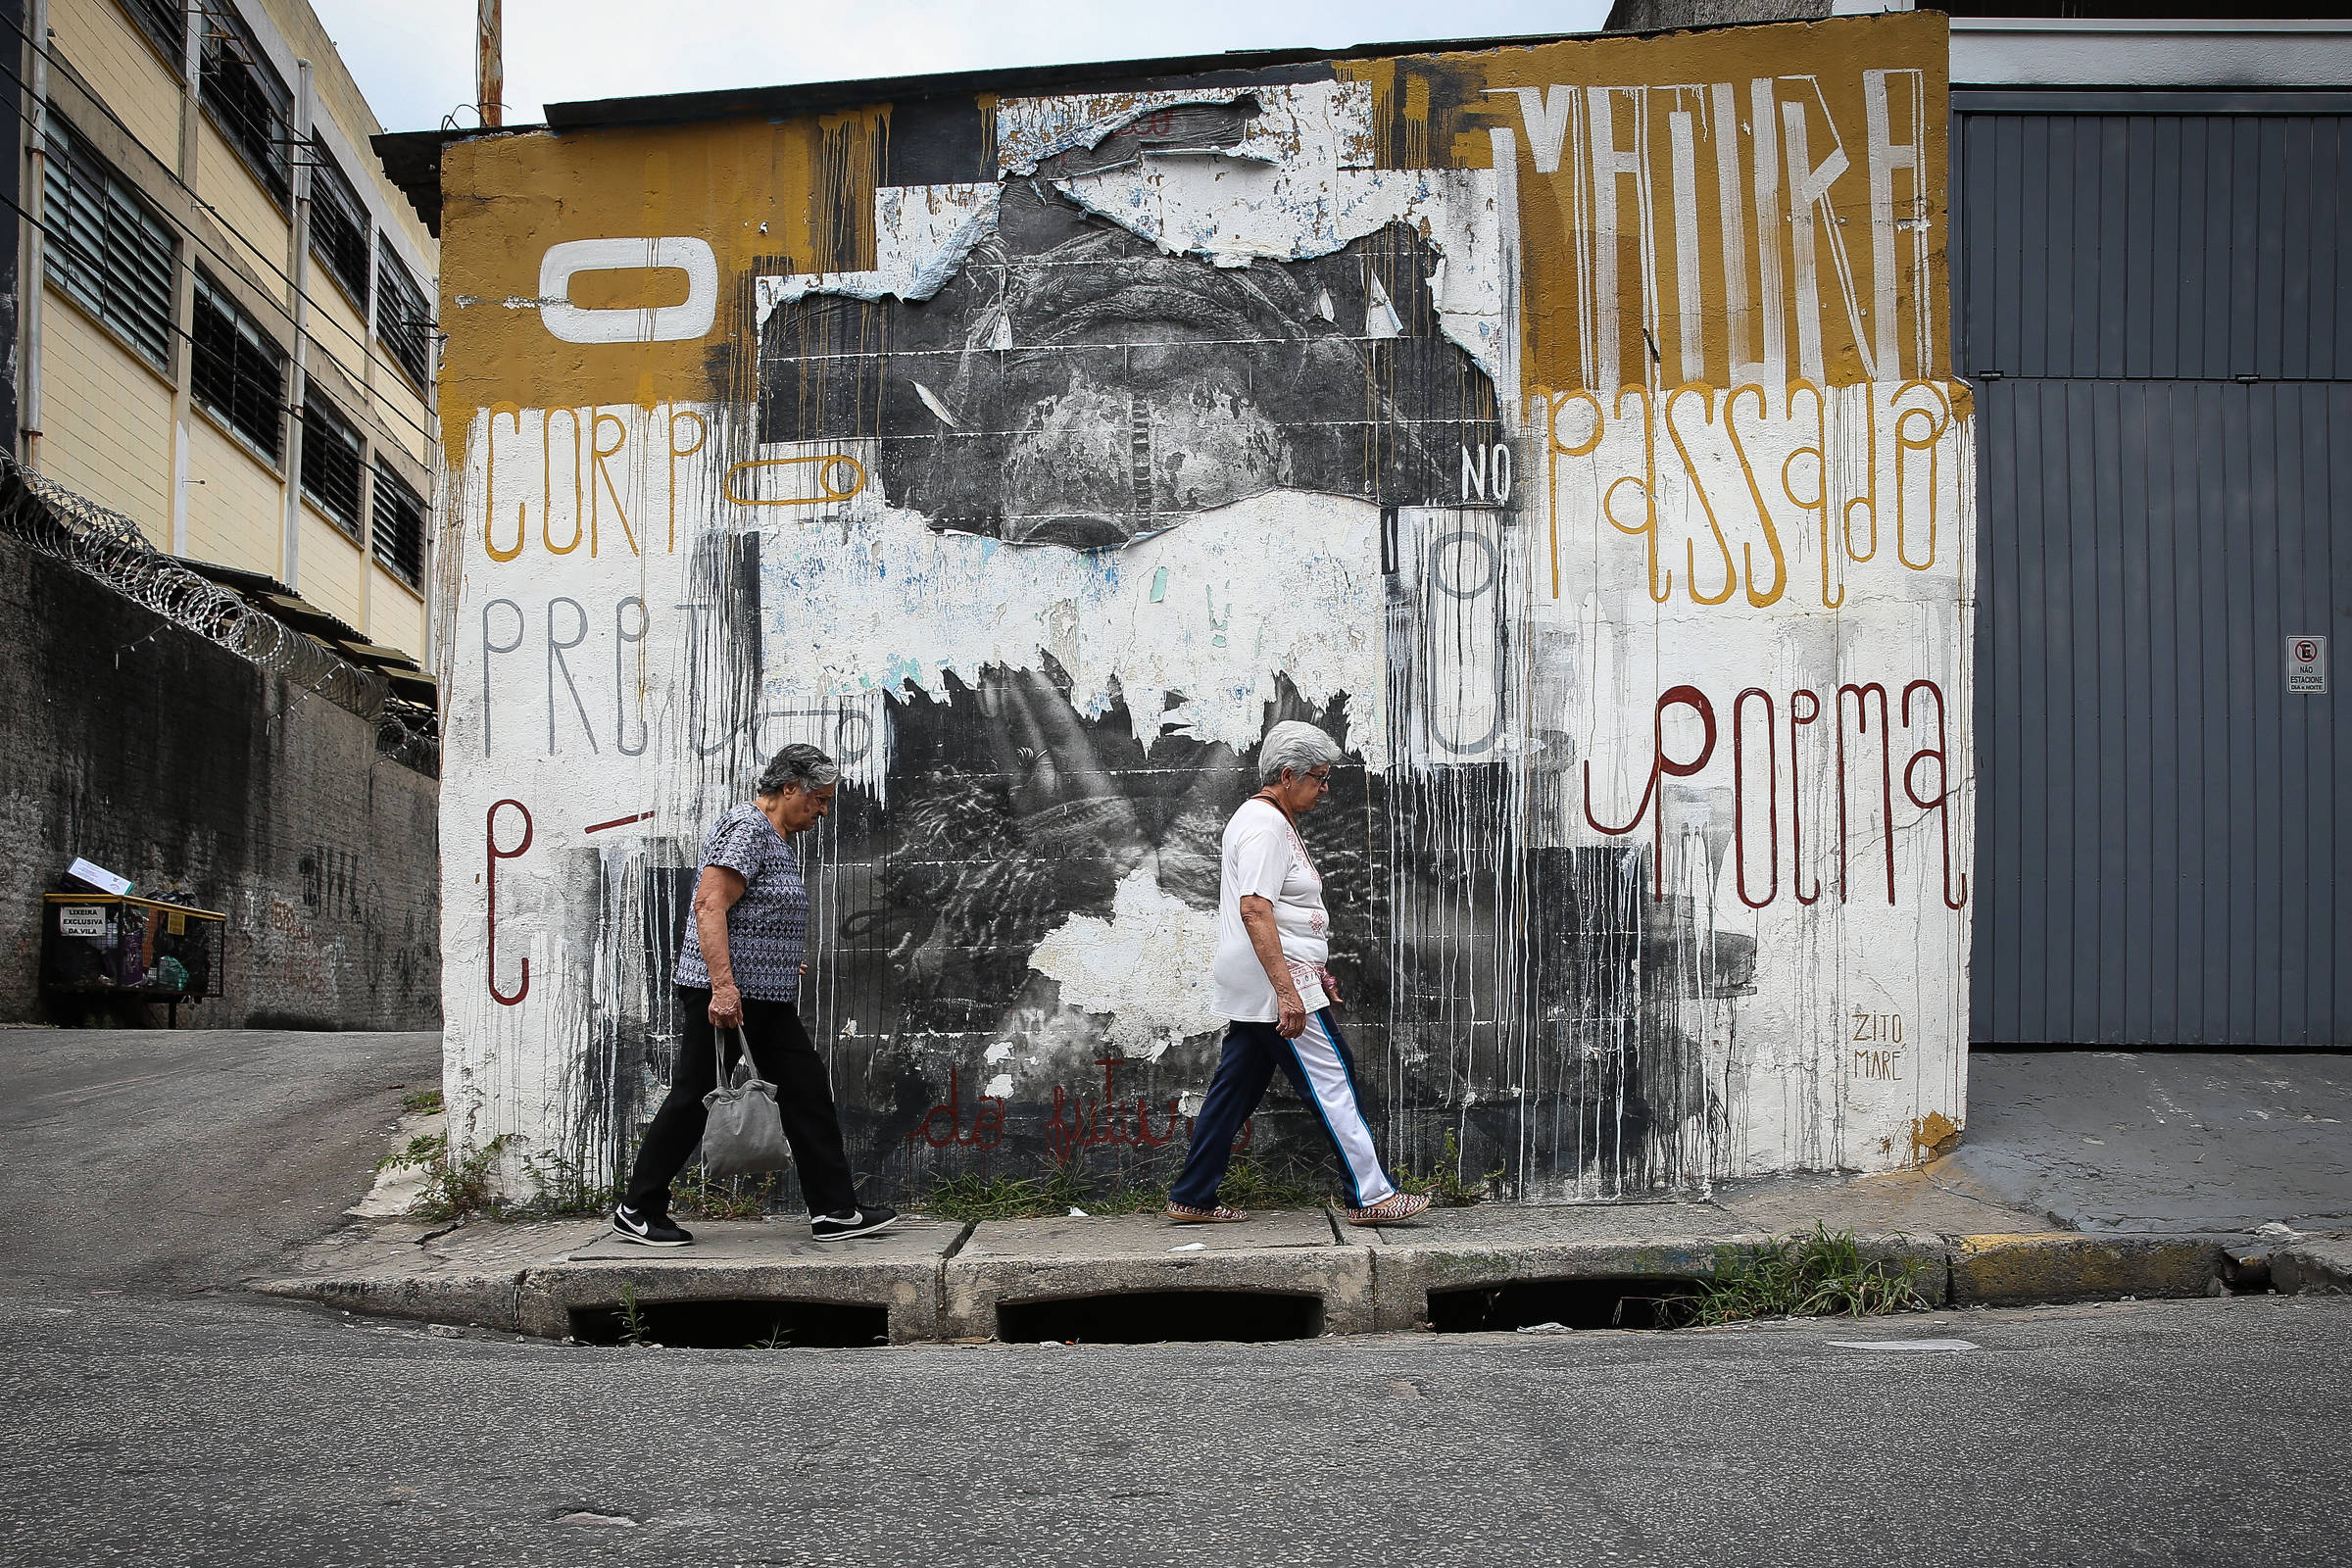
[
  {"x": 733, "y": 1325},
  {"x": 1571, "y": 1303},
  {"x": 1149, "y": 1318}
]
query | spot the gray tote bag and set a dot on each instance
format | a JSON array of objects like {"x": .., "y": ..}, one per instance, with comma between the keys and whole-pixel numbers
[{"x": 745, "y": 1132}]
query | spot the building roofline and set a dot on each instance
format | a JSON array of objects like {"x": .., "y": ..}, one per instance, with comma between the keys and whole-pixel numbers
[
  {"x": 1988, "y": 52},
  {"x": 411, "y": 158},
  {"x": 804, "y": 97},
  {"x": 2155, "y": 56},
  {"x": 2165, "y": 24}
]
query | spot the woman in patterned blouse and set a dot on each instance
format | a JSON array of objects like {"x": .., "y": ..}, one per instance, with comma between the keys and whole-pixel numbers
[{"x": 740, "y": 968}]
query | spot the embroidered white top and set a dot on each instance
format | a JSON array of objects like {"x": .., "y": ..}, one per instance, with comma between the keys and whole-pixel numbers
[{"x": 1263, "y": 855}]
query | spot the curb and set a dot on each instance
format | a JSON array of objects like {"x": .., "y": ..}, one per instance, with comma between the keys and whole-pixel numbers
[
  {"x": 908, "y": 1291},
  {"x": 1359, "y": 1288},
  {"x": 1407, "y": 1273},
  {"x": 2313, "y": 1265},
  {"x": 1997, "y": 1270},
  {"x": 1341, "y": 1280},
  {"x": 471, "y": 1301}
]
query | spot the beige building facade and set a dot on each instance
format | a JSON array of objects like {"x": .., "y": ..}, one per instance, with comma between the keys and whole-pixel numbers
[{"x": 227, "y": 332}]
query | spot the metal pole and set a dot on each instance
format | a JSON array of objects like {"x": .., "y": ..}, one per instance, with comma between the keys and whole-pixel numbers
[
  {"x": 35, "y": 262},
  {"x": 290, "y": 552},
  {"x": 490, "y": 77},
  {"x": 183, "y": 279}
]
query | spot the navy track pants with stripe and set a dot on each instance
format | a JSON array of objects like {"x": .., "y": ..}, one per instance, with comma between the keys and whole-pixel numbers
[{"x": 1324, "y": 1073}]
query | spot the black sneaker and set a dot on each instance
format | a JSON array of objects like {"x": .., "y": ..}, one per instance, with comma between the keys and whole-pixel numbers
[
  {"x": 649, "y": 1230},
  {"x": 856, "y": 1223}
]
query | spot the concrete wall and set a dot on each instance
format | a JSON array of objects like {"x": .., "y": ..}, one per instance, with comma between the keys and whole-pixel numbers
[
  {"x": 124, "y": 69},
  {"x": 128, "y": 434},
  {"x": 161, "y": 755},
  {"x": 120, "y": 408},
  {"x": 1569, "y": 428}
]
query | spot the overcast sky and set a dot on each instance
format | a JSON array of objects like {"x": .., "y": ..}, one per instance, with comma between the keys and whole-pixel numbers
[{"x": 415, "y": 58}]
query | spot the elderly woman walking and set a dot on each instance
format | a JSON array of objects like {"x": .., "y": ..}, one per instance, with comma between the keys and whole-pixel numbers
[
  {"x": 740, "y": 968},
  {"x": 1273, "y": 941}
]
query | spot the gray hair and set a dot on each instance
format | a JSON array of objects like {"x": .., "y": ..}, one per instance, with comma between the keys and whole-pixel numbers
[
  {"x": 1296, "y": 747},
  {"x": 800, "y": 767}
]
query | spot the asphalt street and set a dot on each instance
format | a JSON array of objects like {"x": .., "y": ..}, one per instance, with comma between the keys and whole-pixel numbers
[
  {"x": 223, "y": 1430},
  {"x": 150, "y": 1410},
  {"x": 173, "y": 1159}
]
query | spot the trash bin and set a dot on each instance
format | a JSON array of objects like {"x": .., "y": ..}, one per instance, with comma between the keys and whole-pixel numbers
[{"x": 107, "y": 946}]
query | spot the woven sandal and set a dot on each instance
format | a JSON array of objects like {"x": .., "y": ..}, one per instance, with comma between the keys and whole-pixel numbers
[
  {"x": 1394, "y": 1209},
  {"x": 1187, "y": 1214}
]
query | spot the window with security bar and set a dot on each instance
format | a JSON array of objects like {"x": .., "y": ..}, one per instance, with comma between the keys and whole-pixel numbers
[
  {"x": 399, "y": 523},
  {"x": 246, "y": 96},
  {"x": 331, "y": 461},
  {"x": 238, "y": 371},
  {"x": 103, "y": 246},
  {"x": 166, "y": 25},
  {"x": 338, "y": 224},
  {"x": 403, "y": 319}
]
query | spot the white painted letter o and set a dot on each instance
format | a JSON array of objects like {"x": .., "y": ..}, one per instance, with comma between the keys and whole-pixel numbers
[{"x": 655, "y": 324}]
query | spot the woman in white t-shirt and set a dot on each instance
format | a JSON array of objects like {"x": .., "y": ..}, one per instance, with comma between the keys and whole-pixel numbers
[{"x": 1273, "y": 943}]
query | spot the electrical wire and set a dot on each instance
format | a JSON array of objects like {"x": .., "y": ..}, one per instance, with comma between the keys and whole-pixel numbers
[
  {"x": 366, "y": 350},
  {"x": 278, "y": 402}
]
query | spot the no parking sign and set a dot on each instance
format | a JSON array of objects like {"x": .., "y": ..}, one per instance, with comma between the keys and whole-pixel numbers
[{"x": 2307, "y": 665}]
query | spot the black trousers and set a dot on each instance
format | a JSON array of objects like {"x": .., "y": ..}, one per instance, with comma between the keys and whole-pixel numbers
[{"x": 782, "y": 1052}]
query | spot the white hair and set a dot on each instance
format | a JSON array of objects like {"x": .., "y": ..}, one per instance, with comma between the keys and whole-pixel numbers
[
  {"x": 797, "y": 767},
  {"x": 1294, "y": 746}
]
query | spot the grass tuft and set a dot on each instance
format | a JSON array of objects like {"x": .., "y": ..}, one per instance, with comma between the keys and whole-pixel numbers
[
  {"x": 1248, "y": 1183},
  {"x": 735, "y": 1198},
  {"x": 633, "y": 1332},
  {"x": 560, "y": 1190},
  {"x": 971, "y": 1198},
  {"x": 468, "y": 1188},
  {"x": 422, "y": 1099},
  {"x": 452, "y": 1189},
  {"x": 1820, "y": 1275},
  {"x": 1444, "y": 1184},
  {"x": 421, "y": 1150}
]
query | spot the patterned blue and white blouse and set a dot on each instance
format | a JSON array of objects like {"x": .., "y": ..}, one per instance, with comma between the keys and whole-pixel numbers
[{"x": 767, "y": 929}]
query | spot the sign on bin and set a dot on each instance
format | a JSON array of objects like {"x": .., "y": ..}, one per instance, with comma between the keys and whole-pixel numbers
[{"x": 82, "y": 920}]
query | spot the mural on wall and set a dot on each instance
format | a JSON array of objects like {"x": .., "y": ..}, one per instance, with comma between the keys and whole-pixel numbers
[{"x": 1566, "y": 429}]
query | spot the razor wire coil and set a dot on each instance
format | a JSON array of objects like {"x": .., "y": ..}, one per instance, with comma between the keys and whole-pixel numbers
[{"x": 105, "y": 545}]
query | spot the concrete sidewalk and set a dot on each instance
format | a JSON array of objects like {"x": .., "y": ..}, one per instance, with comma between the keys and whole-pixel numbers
[{"x": 2084, "y": 1175}]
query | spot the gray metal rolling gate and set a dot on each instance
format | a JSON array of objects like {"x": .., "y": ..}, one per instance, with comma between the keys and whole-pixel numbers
[{"x": 2153, "y": 296}]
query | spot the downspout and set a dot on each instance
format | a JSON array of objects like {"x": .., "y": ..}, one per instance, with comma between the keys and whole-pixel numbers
[
  {"x": 298, "y": 270},
  {"x": 36, "y": 191},
  {"x": 183, "y": 282}
]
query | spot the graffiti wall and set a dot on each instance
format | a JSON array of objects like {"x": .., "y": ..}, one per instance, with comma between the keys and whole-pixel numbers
[{"x": 1567, "y": 428}]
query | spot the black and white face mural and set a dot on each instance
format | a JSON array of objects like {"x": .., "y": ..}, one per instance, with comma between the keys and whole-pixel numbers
[
  {"x": 1073, "y": 384},
  {"x": 1037, "y": 880}
]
